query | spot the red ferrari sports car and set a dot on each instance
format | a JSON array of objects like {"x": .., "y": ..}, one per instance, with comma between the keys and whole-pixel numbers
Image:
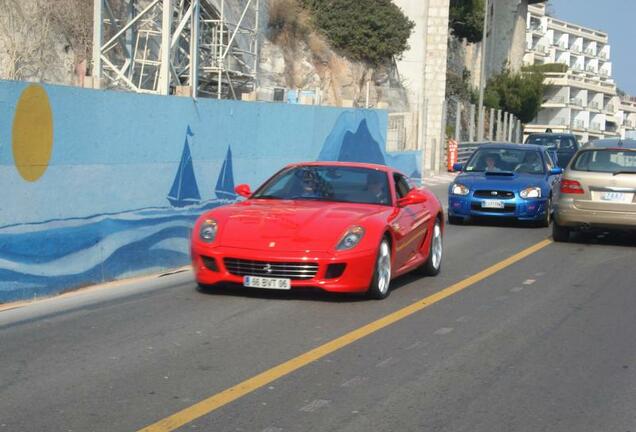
[{"x": 341, "y": 227}]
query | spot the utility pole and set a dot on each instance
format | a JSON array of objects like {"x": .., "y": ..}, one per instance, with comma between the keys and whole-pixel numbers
[{"x": 482, "y": 75}]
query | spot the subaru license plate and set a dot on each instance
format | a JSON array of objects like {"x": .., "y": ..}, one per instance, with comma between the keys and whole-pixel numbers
[
  {"x": 492, "y": 204},
  {"x": 267, "y": 283}
]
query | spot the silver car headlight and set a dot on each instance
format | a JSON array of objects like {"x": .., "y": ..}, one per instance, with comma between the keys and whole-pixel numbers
[
  {"x": 531, "y": 192},
  {"x": 459, "y": 189},
  {"x": 351, "y": 238},
  {"x": 208, "y": 230}
]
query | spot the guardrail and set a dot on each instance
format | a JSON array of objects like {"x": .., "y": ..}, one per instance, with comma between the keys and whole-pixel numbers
[{"x": 464, "y": 150}]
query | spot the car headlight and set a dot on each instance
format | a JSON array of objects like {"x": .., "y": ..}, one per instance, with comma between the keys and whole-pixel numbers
[
  {"x": 459, "y": 189},
  {"x": 531, "y": 192},
  {"x": 208, "y": 230},
  {"x": 351, "y": 238}
]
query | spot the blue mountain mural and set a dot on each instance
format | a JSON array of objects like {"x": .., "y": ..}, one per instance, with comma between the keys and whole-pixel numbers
[
  {"x": 361, "y": 147},
  {"x": 357, "y": 137}
]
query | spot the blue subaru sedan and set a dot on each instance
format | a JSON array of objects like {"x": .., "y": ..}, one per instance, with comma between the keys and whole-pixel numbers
[{"x": 519, "y": 181}]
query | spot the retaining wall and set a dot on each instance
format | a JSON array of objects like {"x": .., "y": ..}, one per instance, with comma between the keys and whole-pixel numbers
[{"x": 86, "y": 175}]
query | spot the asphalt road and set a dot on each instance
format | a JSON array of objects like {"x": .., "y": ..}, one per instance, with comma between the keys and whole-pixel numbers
[{"x": 545, "y": 344}]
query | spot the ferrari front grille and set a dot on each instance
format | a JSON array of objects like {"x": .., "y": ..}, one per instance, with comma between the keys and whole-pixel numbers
[{"x": 288, "y": 270}]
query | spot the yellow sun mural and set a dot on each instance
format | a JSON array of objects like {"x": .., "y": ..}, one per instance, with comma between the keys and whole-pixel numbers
[{"x": 32, "y": 133}]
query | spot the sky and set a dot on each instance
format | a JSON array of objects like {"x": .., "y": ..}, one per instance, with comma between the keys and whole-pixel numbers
[{"x": 617, "y": 19}]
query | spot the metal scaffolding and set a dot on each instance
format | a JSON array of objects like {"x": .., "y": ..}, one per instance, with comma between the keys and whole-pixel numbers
[{"x": 198, "y": 47}]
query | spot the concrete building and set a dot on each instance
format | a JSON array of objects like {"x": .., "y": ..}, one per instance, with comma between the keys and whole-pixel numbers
[
  {"x": 423, "y": 71},
  {"x": 583, "y": 100},
  {"x": 506, "y": 36}
]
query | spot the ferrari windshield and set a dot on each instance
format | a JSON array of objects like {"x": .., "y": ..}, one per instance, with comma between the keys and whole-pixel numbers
[
  {"x": 328, "y": 183},
  {"x": 606, "y": 160},
  {"x": 506, "y": 160}
]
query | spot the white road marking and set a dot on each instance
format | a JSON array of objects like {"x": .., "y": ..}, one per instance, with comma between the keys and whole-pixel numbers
[
  {"x": 413, "y": 345},
  {"x": 529, "y": 281},
  {"x": 354, "y": 381},
  {"x": 386, "y": 362},
  {"x": 443, "y": 331},
  {"x": 315, "y": 405},
  {"x": 516, "y": 289}
]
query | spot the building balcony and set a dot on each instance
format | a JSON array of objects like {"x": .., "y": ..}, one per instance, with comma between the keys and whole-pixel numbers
[
  {"x": 595, "y": 127},
  {"x": 578, "y": 125},
  {"x": 555, "y": 100},
  {"x": 577, "y": 103}
]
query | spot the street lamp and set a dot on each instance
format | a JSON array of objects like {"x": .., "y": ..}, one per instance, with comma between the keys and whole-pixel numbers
[{"x": 482, "y": 75}]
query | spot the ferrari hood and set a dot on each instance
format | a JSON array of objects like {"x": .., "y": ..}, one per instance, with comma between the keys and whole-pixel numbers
[{"x": 289, "y": 225}]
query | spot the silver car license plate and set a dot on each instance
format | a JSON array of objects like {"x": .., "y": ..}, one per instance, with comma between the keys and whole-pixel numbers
[{"x": 613, "y": 196}]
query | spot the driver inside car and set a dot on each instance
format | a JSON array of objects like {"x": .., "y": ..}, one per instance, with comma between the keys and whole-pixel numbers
[{"x": 531, "y": 164}]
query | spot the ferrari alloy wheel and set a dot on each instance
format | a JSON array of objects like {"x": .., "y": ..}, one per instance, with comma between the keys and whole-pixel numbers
[
  {"x": 379, "y": 288},
  {"x": 433, "y": 264}
]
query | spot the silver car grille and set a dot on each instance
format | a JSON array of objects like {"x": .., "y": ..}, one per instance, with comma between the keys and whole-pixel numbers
[{"x": 288, "y": 270}]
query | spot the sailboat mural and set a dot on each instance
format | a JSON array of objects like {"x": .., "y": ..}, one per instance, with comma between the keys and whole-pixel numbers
[
  {"x": 225, "y": 183},
  {"x": 184, "y": 191}
]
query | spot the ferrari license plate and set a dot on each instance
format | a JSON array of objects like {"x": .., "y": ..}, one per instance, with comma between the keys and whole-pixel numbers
[
  {"x": 267, "y": 283},
  {"x": 613, "y": 196},
  {"x": 492, "y": 204}
]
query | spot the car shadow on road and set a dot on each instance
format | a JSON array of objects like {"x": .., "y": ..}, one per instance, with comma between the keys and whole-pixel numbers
[
  {"x": 604, "y": 238},
  {"x": 501, "y": 223},
  {"x": 303, "y": 294},
  {"x": 306, "y": 294}
]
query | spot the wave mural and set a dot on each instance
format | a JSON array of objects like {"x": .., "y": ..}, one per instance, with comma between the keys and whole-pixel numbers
[
  {"x": 123, "y": 201},
  {"x": 45, "y": 258}
]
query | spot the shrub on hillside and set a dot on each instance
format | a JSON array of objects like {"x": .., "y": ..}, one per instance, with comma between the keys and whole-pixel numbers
[
  {"x": 287, "y": 24},
  {"x": 373, "y": 31},
  {"x": 517, "y": 93},
  {"x": 466, "y": 19}
]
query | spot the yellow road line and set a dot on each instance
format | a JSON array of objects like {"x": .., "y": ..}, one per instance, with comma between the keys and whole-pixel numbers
[{"x": 218, "y": 400}]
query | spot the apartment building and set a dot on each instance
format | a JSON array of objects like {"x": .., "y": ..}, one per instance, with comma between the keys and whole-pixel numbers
[{"x": 583, "y": 100}]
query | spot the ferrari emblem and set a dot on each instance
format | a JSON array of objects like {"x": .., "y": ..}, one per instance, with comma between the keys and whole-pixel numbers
[{"x": 268, "y": 268}]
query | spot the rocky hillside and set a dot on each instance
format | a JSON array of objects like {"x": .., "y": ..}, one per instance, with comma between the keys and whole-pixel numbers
[{"x": 49, "y": 41}]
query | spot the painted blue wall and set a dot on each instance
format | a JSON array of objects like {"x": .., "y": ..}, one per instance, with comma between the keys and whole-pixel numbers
[{"x": 101, "y": 210}]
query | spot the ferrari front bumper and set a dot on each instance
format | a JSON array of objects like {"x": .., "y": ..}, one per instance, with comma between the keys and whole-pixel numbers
[{"x": 210, "y": 266}]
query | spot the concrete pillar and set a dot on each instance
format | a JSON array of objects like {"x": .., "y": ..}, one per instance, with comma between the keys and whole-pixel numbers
[
  {"x": 97, "y": 43},
  {"x": 166, "y": 36},
  {"x": 458, "y": 122},
  {"x": 511, "y": 125},
  {"x": 423, "y": 69},
  {"x": 504, "y": 130},
  {"x": 491, "y": 128},
  {"x": 471, "y": 124},
  {"x": 499, "y": 126},
  {"x": 518, "y": 132}
]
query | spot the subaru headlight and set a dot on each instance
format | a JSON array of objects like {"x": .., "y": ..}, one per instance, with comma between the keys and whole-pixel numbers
[
  {"x": 351, "y": 238},
  {"x": 208, "y": 230},
  {"x": 531, "y": 192},
  {"x": 459, "y": 189}
]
